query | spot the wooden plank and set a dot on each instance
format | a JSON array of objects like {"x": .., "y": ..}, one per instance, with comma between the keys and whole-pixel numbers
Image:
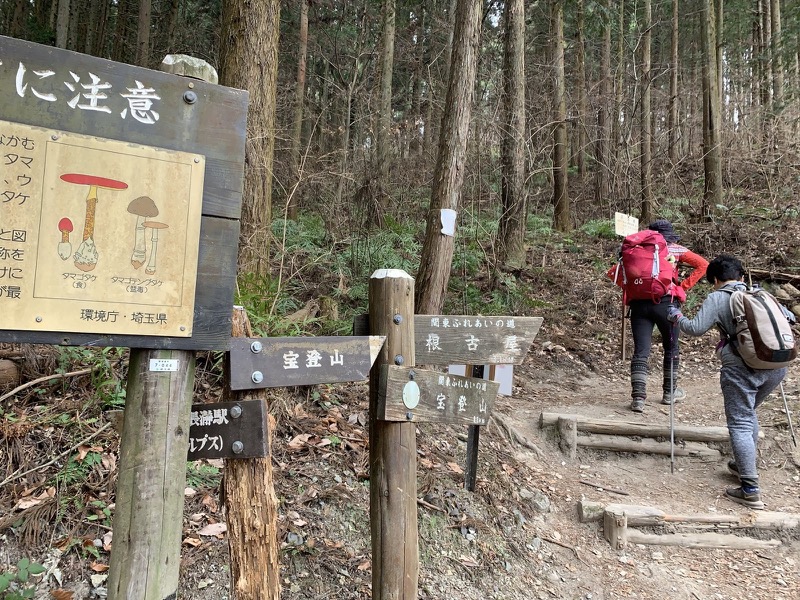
[
  {"x": 392, "y": 447},
  {"x": 228, "y": 430},
  {"x": 646, "y": 445},
  {"x": 409, "y": 394},
  {"x": 608, "y": 426},
  {"x": 279, "y": 362},
  {"x": 475, "y": 340},
  {"x": 194, "y": 116}
]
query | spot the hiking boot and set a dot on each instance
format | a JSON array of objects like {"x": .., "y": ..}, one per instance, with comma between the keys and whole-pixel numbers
[
  {"x": 677, "y": 396},
  {"x": 732, "y": 468},
  {"x": 746, "y": 496},
  {"x": 637, "y": 405}
]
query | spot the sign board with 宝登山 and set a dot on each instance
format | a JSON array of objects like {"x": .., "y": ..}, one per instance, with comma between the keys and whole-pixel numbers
[
  {"x": 409, "y": 394},
  {"x": 462, "y": 339},
  {"x": 285, "y": 361},
  {"x": 228, "y": 430}
]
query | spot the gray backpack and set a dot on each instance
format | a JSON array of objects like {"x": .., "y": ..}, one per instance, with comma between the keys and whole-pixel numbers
[{"x": 763, "y": 336}]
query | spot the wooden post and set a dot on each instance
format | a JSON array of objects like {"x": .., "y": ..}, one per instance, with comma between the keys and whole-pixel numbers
[
  {"x": 145, "y": 557},
  {"x": 568, "y": 436},
  {"x": 393, "y": 446},
  {"x": 251, "y": 508},
  {"x": 473, "y": 438},
  {"x": 624, "y": 336},
  {"x": 152, "y": 477}
]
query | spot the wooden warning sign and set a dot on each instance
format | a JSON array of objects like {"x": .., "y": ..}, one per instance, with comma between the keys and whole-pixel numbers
[
  {"x": 279, "y": 362},
  {"x": 462, "y": 339},
  {"x": 228, "y": 430},
  {"x": 408, "y": 394}
]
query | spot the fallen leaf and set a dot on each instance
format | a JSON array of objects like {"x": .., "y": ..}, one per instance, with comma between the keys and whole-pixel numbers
[
  {"x": 107, "y": 539},
  {"x": 367, "y": 564},
  {"x": 468, "y": 562},
  {"x": 216, "y": 529},
  {"x": 455, "y": 467},
  {"x": 300, "y": 523},
  {"x": 61, "y": 594},
  {"x": 298, "y": 441},
  {"x": 84, "y": 450},
  {"x": 192, "y": 541},
  {"x": 98, "y": 567}
]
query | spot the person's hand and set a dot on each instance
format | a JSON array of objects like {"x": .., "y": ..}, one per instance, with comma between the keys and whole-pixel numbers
[{"x": 674, "y": 314}]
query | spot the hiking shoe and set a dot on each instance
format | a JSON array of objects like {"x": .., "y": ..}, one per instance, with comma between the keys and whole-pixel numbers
[
  {"x": 637, "y": 405},
  {"x": 677, "y": 395},
  {"x": 749, "y": 497},
  {"x": 732, "y": 468}
]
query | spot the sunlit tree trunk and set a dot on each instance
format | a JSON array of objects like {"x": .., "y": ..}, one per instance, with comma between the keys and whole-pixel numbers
[
  {"x": 776, "y": 50},
  {"x": 511, "y": 233},
  {"x": 616, "y": 126},
  {"x": 249, "y": 60},
  {"x": 645, "y": 140},
  {"x": 437, "y": 250},
  {"x": 712, "y": 152},
  {"x": 297, "y": 123},
  {"x": 62, "y": 24}
]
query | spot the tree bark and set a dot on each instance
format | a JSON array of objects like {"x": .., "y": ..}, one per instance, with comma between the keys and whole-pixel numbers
[
  {"x": 712, "y": 152},
  {"x": 297, "y": 124},
  {"x": 249, "y": 60},
  {"x": 776, "y": 51},
  {"x": 143, "y": 33},
  {"x": 603, "y": 145},
  {"x": 672, "y": 125},
  {"x": 383, "y": 137},
  {"x": 583, "y": 101},
  {"x": 645, "y": 141},
  {"x": 561, "y": 216},
  {"x": 511, "y": 233},
  {"x": 62, "y": 24},
  {"x": 437, "y": 250}
]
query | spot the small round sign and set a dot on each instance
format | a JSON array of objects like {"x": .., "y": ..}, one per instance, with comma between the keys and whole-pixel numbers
[{"x": 411, "y": 394}]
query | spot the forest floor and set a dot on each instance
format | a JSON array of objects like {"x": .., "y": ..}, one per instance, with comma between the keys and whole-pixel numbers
[{"x": 518, "y": 534}]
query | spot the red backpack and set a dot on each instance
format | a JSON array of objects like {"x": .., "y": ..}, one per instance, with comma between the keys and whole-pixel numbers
[{"x": 644, "y": 270}]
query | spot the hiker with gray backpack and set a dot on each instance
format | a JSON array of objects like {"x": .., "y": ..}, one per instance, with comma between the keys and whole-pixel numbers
[{"x": 756, "y": 345}]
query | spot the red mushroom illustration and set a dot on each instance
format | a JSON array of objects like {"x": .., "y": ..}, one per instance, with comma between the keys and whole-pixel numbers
[
  {"x": 155, "y": 226},
  {"x": 64, "y": 246},
  {"x": 86, "y": 256},
  {"x": 144, "y": 208}
]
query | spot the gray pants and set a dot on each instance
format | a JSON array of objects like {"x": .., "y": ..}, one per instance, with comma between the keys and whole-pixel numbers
[{"x": 744, "y": 390}]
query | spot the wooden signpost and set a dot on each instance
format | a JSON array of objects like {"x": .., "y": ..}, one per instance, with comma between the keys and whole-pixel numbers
[{"x": 229, "y": 430}]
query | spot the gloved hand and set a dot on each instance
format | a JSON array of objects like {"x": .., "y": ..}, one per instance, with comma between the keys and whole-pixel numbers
[{"x": 674, "y": 314}]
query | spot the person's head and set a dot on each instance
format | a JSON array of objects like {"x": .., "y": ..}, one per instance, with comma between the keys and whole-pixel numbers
[
  {"x": 665, "y": 228},
  {"x": 724, "y": 268}
]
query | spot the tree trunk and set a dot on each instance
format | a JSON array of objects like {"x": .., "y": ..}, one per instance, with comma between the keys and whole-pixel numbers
[
  {"x": 645, "y": 145},
  {"x": 172, "y": 23},
  {"x": 583, "y": 102},
  {"x": 143, "y": 33},
  {"x": 383, "y": 137},
  {"x": 62, "y": 24},
  {"x": 437, "y": 250},
  {"x": 511, "y": 233},
  {"x": 712, "y": 153},
  {"x": 120, "y": 49},
  {"x": 603, "y": 146},
  {"x": 616, "y": 134},
  {"x": 672, "y": 125},
  {"x": 297, "y": 125},
  {"x": 561, "y": 216},
  {"x": 776, "y": 51},
  {"x": 249, "y": 60}
]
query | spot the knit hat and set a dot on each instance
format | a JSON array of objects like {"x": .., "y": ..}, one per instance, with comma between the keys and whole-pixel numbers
[{"x": 664, "y": 227}]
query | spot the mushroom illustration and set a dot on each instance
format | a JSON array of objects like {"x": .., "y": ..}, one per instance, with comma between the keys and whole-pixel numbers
[
  {"x": 155, "y": 226},
  {"x": 144, "y": 208},
  {"x": 64, "y": 246},
  {"x": 86, "y": 256}
]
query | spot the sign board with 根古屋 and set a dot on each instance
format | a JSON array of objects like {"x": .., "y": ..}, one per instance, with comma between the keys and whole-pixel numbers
[{"x": 120, "y": 200}]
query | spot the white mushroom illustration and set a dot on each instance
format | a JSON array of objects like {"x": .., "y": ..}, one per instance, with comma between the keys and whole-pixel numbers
[
  {"x": 144, "y": 208},
  {"x": 155, "y": 226}
]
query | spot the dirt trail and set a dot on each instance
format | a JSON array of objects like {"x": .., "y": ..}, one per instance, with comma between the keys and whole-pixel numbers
[{"x": 564, "y": 384}]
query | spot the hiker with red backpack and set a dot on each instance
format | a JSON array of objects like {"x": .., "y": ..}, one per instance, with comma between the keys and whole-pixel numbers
[
  {"x": 648, "y": 274},
  {"x": 756, "y": 345}
]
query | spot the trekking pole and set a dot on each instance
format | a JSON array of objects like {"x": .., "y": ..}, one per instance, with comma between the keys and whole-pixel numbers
[
  {"x": 788, "y": 416},
  {"x": 672, "y": 401}
]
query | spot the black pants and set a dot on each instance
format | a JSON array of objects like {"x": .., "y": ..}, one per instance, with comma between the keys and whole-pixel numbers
[{"x": 644, "y": 316}]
